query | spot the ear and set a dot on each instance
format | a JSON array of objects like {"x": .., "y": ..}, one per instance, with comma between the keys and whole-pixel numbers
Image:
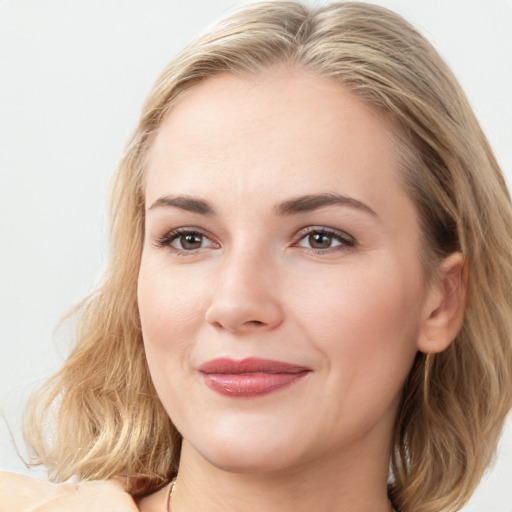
[{"x": 444, "y": 305}]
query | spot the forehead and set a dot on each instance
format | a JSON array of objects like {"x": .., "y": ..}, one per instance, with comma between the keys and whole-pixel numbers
[{"x": 284, "y": 131}]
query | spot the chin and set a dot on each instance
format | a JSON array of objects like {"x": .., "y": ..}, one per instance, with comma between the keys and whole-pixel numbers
[
  {"x": 258, "y": 452},
  {"x": 251, "y": 461}
]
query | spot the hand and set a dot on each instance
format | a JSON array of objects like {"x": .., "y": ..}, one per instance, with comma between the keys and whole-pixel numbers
[{"x": 19, "y": 493}]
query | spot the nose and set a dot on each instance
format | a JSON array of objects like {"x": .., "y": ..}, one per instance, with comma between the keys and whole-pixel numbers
[{"x": 246, "y": 297}]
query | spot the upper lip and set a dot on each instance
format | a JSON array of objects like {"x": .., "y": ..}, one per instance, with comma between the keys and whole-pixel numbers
[{"x": 249, "y": 365}]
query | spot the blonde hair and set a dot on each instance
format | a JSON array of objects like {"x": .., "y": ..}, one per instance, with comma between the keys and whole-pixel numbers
[{"x": 101, "y": 408}]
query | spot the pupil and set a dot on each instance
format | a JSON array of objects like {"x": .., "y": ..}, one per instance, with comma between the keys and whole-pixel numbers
[
  {"x": 319, "y": 241},
  {"x": 191, "y": 241}
]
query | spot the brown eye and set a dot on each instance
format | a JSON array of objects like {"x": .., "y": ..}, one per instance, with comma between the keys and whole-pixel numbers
[
  {"x": 320, "y": 240},
  {"x": 189, "y": 241},
  {"x": 184, "y": 241},
  {"x": 325, "y": 240}
]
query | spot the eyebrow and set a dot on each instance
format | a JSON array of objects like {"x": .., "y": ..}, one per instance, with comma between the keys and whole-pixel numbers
[
  {"x": 187, "y": 203},
  {"x": 312, "y": 202},
  {"x": 291, "y": 206}
]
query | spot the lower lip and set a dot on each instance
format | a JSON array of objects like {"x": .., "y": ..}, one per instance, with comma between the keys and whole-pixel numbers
[{"x": 248, "y": 385}]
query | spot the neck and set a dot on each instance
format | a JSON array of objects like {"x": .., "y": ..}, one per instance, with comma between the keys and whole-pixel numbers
[{"x": 354, "y": 481}]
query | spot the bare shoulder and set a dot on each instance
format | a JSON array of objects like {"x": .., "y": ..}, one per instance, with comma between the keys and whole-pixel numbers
[{"x": 19, "y": 493}]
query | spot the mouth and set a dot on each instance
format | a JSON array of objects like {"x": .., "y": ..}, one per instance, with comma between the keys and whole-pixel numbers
[{"x": 248, "y": 378}]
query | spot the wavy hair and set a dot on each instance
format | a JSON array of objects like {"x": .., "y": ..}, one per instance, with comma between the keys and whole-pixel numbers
[{"x": 99, "y": 416}]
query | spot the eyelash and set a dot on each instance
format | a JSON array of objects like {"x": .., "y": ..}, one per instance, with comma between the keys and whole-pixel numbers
[
  {"x": 167, "y": 240},
  {"x": 345, "y": 240}
]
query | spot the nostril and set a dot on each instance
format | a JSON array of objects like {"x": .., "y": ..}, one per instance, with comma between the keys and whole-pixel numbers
[
  {"x": 243, "y": 316},
  {"x": 254, "y": 322}
]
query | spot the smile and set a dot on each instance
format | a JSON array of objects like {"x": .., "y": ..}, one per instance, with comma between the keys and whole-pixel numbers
[{"x": 250, "y": 377}]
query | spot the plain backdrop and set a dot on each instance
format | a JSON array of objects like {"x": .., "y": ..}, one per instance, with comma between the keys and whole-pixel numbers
[{"x": 73, "y": 76}]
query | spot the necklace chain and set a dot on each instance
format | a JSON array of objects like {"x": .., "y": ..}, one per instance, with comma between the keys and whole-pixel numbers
[{"x": 171, "y": 489}]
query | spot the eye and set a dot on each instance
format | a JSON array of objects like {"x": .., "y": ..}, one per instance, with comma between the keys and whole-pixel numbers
[
  {"x": 319, "y": 241},
  {"x": 185, "y": 240},
  {"x": 188, "y": 241},
  {"x": 323, "y": 239}
]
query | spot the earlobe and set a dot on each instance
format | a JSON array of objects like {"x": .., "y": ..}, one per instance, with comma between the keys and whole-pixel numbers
[{"x": 444, "y": 305}]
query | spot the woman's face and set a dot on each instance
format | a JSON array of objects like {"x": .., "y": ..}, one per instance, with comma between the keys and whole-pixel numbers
[{"x": 280, "y": 289}]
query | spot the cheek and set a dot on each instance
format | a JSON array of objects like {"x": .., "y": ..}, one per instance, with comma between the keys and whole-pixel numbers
[
  {"x": 171, "y": 309},
  {"x": 171, "y": 312},
  {"x": 366, "y": 322},
  {"x": 379, "y": 296}
]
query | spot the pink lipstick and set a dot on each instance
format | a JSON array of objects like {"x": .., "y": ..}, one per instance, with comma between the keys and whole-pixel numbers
[{"x": 250, "y": 377}]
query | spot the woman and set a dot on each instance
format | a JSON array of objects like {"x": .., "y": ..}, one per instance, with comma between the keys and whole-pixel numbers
[{"x": 309, "y": 281}]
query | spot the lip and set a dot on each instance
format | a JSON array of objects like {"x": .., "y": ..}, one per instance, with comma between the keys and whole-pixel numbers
[{"x": 251, "y": 377}]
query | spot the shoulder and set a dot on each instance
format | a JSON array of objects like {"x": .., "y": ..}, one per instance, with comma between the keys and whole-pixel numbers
[{"x": 19, "y": 493}]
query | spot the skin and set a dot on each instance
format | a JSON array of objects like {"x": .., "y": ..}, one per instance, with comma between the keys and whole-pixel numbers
[
  {"x": 20, "y": 493},
  {"x": 354, "y": 311}
]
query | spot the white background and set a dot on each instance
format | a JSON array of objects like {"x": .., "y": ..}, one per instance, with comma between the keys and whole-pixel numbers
[{"x": 73, "y": 75}]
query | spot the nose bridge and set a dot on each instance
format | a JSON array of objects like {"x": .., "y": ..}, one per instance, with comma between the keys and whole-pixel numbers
[{"x": 246, "y": 294}]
